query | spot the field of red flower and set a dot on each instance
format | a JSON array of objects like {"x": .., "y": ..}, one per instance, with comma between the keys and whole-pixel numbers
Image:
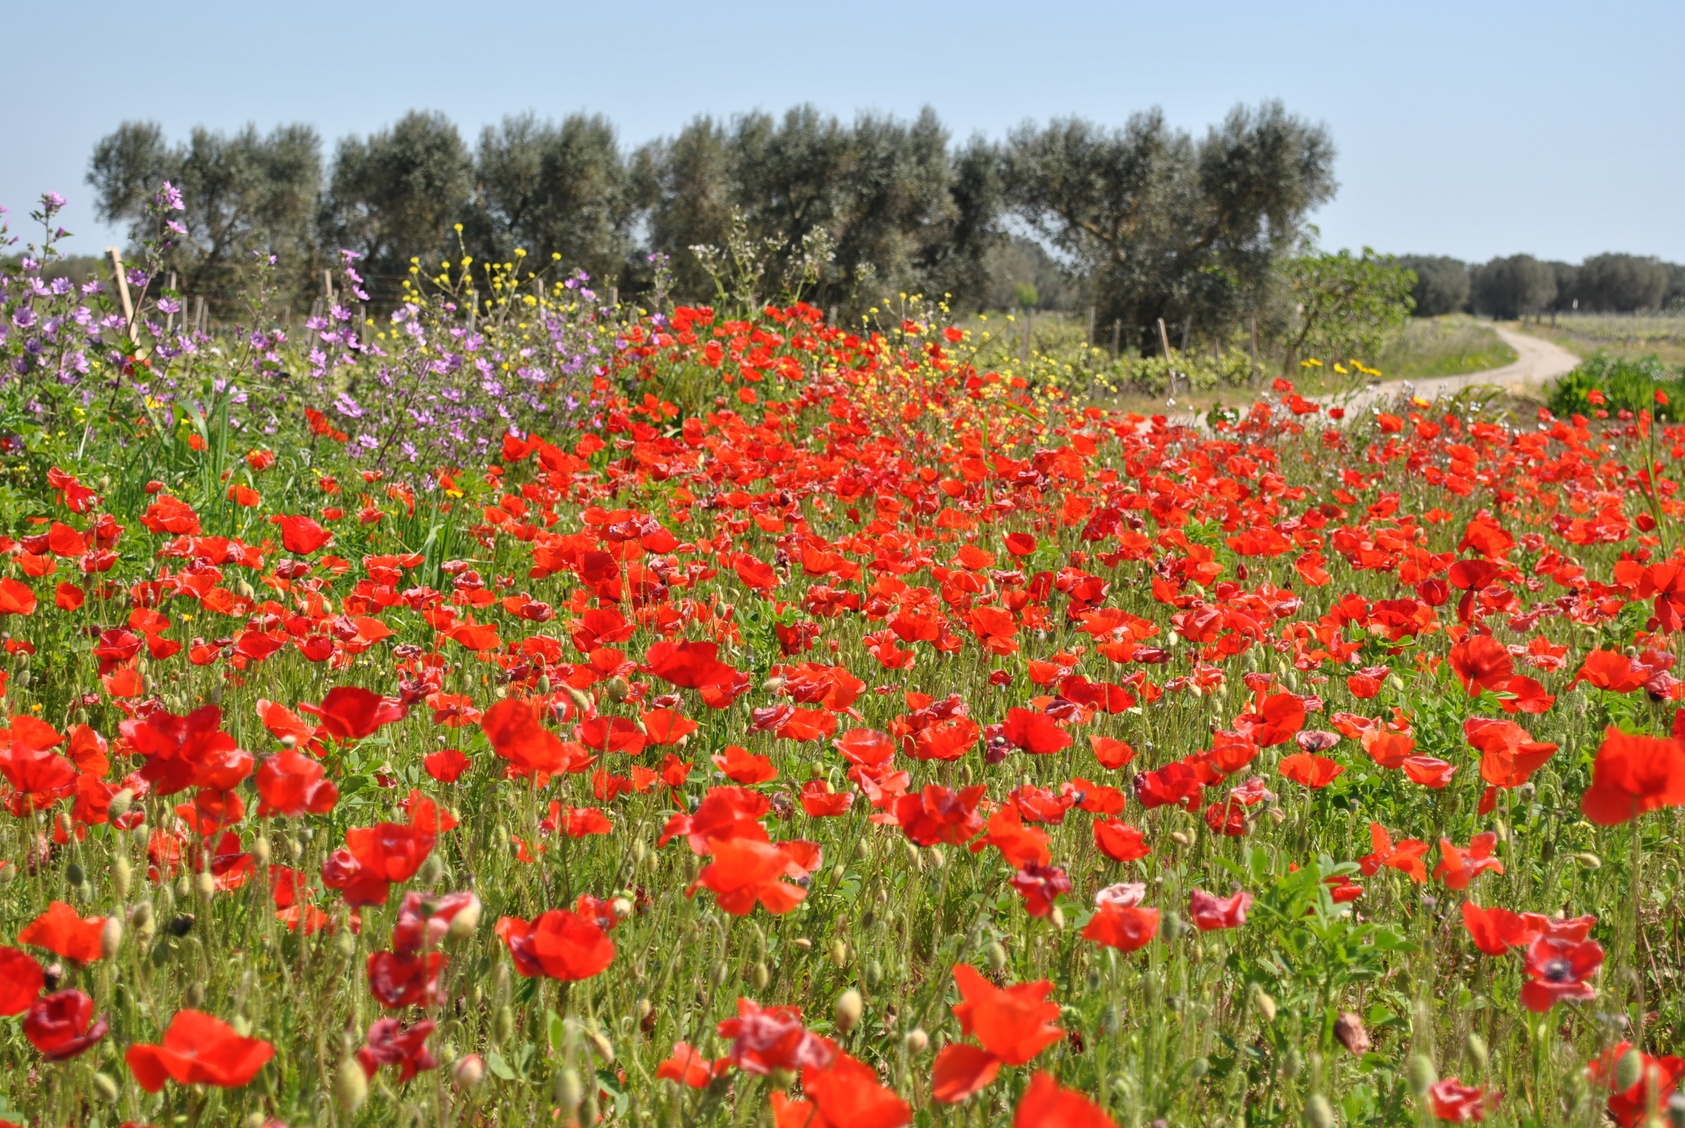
[{"x": 806, "y": 728}]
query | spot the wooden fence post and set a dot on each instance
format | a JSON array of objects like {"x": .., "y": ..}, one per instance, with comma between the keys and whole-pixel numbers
[{"x": 122, "y": 284}]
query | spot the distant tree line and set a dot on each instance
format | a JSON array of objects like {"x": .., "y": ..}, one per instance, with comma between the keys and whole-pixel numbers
[
  {"x": 1137, "y": 223},
  {"x": 1523, "y": 286}
]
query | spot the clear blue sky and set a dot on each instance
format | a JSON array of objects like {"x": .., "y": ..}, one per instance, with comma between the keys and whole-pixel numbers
[{"x": 1473, "y": 129}]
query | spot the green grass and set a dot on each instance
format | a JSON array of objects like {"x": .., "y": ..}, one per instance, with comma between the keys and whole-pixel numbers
[{"x": 1453, "y": 345}]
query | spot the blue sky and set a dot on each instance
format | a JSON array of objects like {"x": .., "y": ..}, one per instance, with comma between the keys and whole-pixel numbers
[{"x": 1470, "y": 129}]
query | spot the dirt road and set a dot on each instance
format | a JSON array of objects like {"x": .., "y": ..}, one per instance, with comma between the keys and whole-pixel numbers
[{"x": 1537, "y": 363}]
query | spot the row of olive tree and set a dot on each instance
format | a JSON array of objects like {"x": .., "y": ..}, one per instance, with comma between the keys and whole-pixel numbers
[
  {"x": 1150, "y": 220},
  {"x": 1521, "y": 285}
]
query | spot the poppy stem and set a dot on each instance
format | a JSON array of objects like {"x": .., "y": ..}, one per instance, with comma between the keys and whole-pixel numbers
[{"x": 1637, "y": 971}]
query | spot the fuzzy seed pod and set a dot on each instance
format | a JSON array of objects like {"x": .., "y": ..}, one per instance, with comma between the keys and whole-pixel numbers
[
  {"x": 503, "y": 1025},
  {"x": 601, "y": 1046},
  {"x": 204, "y": 886},
  {"x": 568, "y": 1090},
  {"x": 1421, "y": 1074},
  {"x": 110, "y": 937},
  {"x": 839, "y": 953},
  {"x": 350, "y": 1086},
  {"x": 1262, "y": 1002},
  {"x": 996, "y": 956},
  {"x": 120, "y": 804},
  {"x": 1318, "y": 1112},
  {"x": 107, "y": 1086},
  {"x": 850, "y": 1006},
  {"x": 260, "y": 851},
  {"x": 121, "y": 876},
  {"x": 466, "y": 920},
  {"x": 1629, "y": 1070},
  {"x": 1475, "y": 1047},
  {"x": 1588, "y": 860}
]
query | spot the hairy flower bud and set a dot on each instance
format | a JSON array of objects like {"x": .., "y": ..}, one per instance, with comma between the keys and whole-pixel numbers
[
  {"x": 1421, "y": 1074},
  {"x": 850, "y": 1006},
  {"x": 1348, "y": 1028},
  {"x": 1262, "y": 1002},
  {"x": 350, "y": 1086},
  {"x": 468, "y": 1072},
  {"x": 1318, "y": 1112},
  {"x": 122, "y": 875},
  {"x": 917, "y": 1041},
  {"x": 110, "y": 937}
]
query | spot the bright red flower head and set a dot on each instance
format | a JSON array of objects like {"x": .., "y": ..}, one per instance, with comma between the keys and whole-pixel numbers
[
  {"x": 198, "y": 1049},
  {"x": 1457, "y": 1103},
  {"x": 1124, "y": 927},
  {"x": 1210, "y": 912},
  {"x": 62, "y": 1025},
  {"x": 560, "y": 943},
  {"x": 1047, "y": 1104},
  {"x": 350, "y": 713},
  {"x": 62, "y": 932},
  {"x": 764, "y": 1039},
  {"x": 1632, "y": 775},
  {"x": 1557, "y": 969}
]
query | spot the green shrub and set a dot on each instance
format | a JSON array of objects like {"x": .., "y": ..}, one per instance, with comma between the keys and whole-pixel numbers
[{"x": 1625, "y": 384}]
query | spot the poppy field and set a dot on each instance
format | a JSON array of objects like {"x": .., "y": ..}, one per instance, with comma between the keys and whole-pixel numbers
[{"x": 524, "y": 708}]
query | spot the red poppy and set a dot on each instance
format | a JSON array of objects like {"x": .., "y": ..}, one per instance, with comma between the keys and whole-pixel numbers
[
  {"x": 1018, "y": 844},
  {"x": 745, "y": 872},
  {"x": 16, "y": 598},
  {"x": 560, "y": 943},
  {"x": 1119, "y": 841},
  {"x": 1210, "y": 912},
  {"x": 1110, "y": 752},
  {"x": 190, "y": 751},
  {"x": 1428, "y": 771},
  {"x": 1632, "y": 775},
  {"x": 302, "y": 535},
  {"x": 1310, "y": 770},
  {"x": 390, "y": 1042},
  {"x": 690, "y": 665},
  {"x": 1034, "y": 732},
  {"x": 517, "y": 735},
  {"x": 291, "y": 784},
  {"x": 1040, "y": 886},
  {"x": 1047, "y": 1104},
  {"x": 1014, "y": 1024},
  {"x": 1457, "y": 1103},
  {"x": 405, "y": 979},
  {"x": 375, "y": 857},
  {"x": 447, "y": 765},
  {"x": 425, "y": 918},
  {"x": 688, "y": 1067},
  {"x": 62, "y": 1025},
  {"x": 1459, "y": 866},
  {"x": 742, "y": 766},
  {"x": 819, "y": 801},
  {"x": 62, "y": 932},
  {"x": 845, "y": 1094},
  {"x": 1405, "y": 856},
  {"x": 1557, "y": 968},
  {"x": 1658, "y": 1078},
  {"x": 1495, "y": 930},
  {"x": 21, "y": 980},
  {"x": 1481, "y": 662},
  {"x": 350, "y": 713},
  {"x": 1509, "y": 754},
  {"x": 766, "y": 1039},
  {"x": 1612, "y": 671},
  {"x": 1124, "y": 927},
  {"x": 1279, "y": 716},
  {"x": 938, "y": 815},
  {"x": 198, "y": 1049}
]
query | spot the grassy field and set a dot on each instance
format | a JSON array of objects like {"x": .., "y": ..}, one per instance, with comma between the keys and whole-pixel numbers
[
  {"x": 1659, "y": 335},
  {"x": 1057, "y": 343}
]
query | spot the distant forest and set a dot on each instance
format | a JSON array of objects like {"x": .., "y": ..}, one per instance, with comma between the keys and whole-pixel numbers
[
  {"x": 1137, "y": 222},
  {"x": 1523, "y": 286}
]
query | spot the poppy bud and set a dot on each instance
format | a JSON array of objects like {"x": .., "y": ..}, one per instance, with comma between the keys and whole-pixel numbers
[
  {"x": 720, "y": 972},
  {"x": 568, "y": 1090},
  {"x": 107, "y": 1086},
  {"x": 350, "y": 1086},
  {"x": 73, "y": 873},
  {"x": 1588, "y": 860},
  {"x": 141, "y": 917},
  {"x": 120, "y": 804},
  {"x": 468, "y": 1072},
  {"x": 204, "y": 886},
  {"x": 760, "y": 975},
  {"x": 1199, "y": 1067},
  {"x": 848, "y": 1010},
  {"x": 581, "y": 699},
  {"x": 839, "y": 953},
  {"x": 601, "y": 1045},
  {"x": 1348, "y": 1028},
  {"x": 1262, "y": 1002},
  {"x": 1181, "y": 838},
  {"x": 345, "y": 944},
  {"x": 431, "y": 870},
  {"x": 121, "y": 875},
  {"x": 1318, "y": 1112},
  {"x": 618, "y": 689},
  {"x": 260, "y": 851},
  {"x": 997, "y": 956},
  {"x": 1476, "y": 1049},
  {"x": 466, "y": 920},
  {"x": 183, "y": 887},
  {"x": 110, "y": 937},
  {"x": 916, "y": 1041},
  {"x": 1057, "y": 917},
  {"x": 1421, "y": 1074},
  {"x": 874, "y": 973},
  {"x": 1292, "y": 1063},
  {"x": 1629, "y": 1070},
  {"x": 503, "y": 1025}
]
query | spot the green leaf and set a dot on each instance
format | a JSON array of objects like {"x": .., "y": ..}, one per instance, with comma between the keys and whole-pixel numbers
[{"x": 499, "y": 1068}]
